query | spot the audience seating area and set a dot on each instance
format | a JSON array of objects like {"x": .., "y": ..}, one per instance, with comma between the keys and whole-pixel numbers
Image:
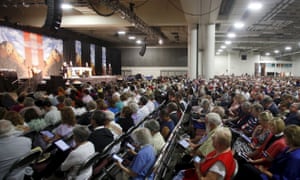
[{"x": 256, "y": 110}]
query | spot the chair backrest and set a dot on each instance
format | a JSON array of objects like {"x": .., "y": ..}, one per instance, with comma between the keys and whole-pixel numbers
[
  {"x": 236, "y": 169},
  {"x": 68, "y": 138},
  {"x": 89, "y": 162},
  {"x": 24, "y": 161}
]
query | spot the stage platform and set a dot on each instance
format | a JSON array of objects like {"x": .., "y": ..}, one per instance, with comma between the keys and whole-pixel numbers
[
  {"x": 51, "y": 83},
  {"x": 93, "y": 79}
]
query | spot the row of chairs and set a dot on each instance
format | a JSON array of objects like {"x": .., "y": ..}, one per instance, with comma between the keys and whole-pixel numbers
[
  {"x": 173, "y": 151},
  {"x": 98, "y": 160},
  {"x": 109, "y": 170}
]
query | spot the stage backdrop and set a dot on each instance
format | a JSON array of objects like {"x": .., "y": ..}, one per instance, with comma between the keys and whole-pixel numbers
[{"x": 29, "y": 53}]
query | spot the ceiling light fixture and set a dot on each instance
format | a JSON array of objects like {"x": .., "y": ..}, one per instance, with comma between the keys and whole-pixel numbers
[
  {"x": 254, "y": 6},
  {"x": 160, "y": 41},
  {"x": 66, "y": 6},
  {"x": 223, "y": 46},
  {"x": 231, "y": 35},
  {"x": 220, "y": 50},
  {"x": 239, "y": 25},
  {"x": 138, "y": 42},
  {"x": 228, "y": 42},
  {"x": 268, "y": 54},
  {"x": 276, "y": 51},
  {"x": 121, "y": 32},
  {"x": 131, "y": 37},
  {"x": 288, "y": 48}
]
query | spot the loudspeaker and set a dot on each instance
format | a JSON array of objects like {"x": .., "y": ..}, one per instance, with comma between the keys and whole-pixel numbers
[
  {"x": 54, "y": 14},
  {"x": 244, "y": 57},
  {"x": 143, "y": 50}
]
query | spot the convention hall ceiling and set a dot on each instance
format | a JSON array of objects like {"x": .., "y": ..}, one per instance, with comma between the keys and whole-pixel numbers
[{"x": 273, "y": 27}]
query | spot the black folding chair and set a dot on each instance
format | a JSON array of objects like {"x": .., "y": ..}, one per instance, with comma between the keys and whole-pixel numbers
[
  {"x": 93, "y": 159},
  {"x": 24, "y": 161}
]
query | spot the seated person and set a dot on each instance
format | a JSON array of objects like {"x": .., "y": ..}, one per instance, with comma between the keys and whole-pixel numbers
[
  {"x": 243, "y": 116},
  {"x": 52, "y": 113},
  {"x": 17, "y": 120},
  {"x": 235, "y": 108},
  {"x": 266, "y": 154},
  {"x": 63, "y": 131},
  {"x": 198, "y": 121},
  {"x": 85, "y": 119},
  {"x": 293, "y": 117},
  {"x": 218, "y": 164},
  {"x": 252, "y": 122},
  {"x": 125, "y": 120},
  {"x": 261, "y": 132},
  {"x": 274, "y": 145},
  {"x": 12, "y": 148},
  {"x": 166, "y": 123},
  {"x": 286, "y": 164},
  {"x": 174, "y": 114},
  {"x": 115, "y": 129},
  {"x": 259, "y": 137},
  {"x": 101, "y": 136},
  {"x": 145, "y": 157},
  {"x": 158, "y": 141},
  {"x": 34, "y": 121},
  {"x": 82, "y": 151},
  {"x": 28, "y": 104},
  {"x": 205, "y": 145},
  {"x": 270, "y": 105},
  {"x": 68, "y": 121}
]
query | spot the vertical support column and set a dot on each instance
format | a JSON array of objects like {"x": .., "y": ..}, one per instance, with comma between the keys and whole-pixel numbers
[
  {"x": 201, "y": 51},
  {"x": 192, "y": 51},
  {"x": 208, "y": 57},
  {"x": 228, "y": 64}
]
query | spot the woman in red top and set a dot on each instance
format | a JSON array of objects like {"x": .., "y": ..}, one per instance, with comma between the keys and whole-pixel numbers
[{"x": 219, "y": 164}]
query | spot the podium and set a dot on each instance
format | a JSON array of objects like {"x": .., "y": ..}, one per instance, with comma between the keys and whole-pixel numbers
[{"x": 76, "y": 72}]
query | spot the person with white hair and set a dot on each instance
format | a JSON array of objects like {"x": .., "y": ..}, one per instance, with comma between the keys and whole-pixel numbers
[
  {"x": 115, "y": 128},
  {"x": 138, "y": 113},
  {"x": 218, "y": 164},
  {"x": 82, "y": 151},
  {"x": 145, "y": 157},
  {"x": 112, "y": 125},
  {"x": 12, "y": 148},
  {"x": 213, "y": 121},
  {"x": 158, "y": 140}
]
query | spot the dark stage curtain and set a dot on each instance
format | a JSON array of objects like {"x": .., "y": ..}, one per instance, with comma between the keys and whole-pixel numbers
[
  {"x": 69, "y": 51},
  {"x": 85, "y": 54},
  {"x": 98, "y": 60},
  {"x": 114, "y": 58}
]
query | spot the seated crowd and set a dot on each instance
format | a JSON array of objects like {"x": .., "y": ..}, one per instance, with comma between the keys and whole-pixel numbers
[{"x": 239, "y": 127}]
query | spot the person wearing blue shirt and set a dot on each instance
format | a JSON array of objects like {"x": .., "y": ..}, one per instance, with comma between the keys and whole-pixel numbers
[
  {"x": 166, "y": 123},
  {"x": 144, "y": 159}
]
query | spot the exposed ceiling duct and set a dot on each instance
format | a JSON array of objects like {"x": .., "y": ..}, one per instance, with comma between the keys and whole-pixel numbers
[{"x": 153, "y": 35}]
